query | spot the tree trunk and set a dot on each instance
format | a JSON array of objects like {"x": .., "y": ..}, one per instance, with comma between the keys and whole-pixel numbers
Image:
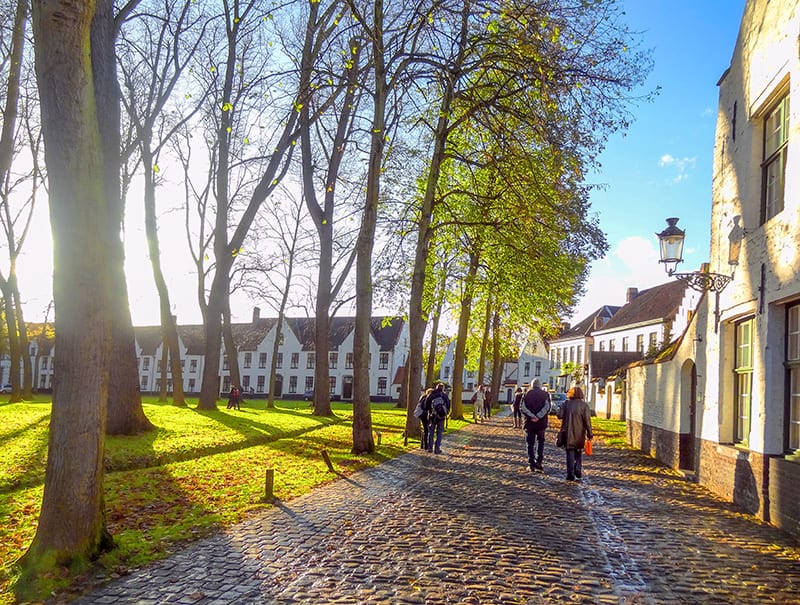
[
  {"x": 163, "y": 364},
  {"x": 487, "y": 329},
  {"x": 362, "y": 415},
  {"x": 169, "y": 329},
  {"x": 13, "y": 341},
  {"x": 437, "y": 313},
  {"x": 461, "y": 339},
  {"x": 417, "y": 314},
  {"x": 72, "y": 524},
  {"x": 276, "y": 344},
  {"x": 28, "y": 384},
  {"x": 231, "y": 350},
  {"x": 497, "y": 356},
  {"x": 209, "y": 391}
]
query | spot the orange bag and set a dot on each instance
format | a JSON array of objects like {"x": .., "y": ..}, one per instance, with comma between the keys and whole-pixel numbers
[{"x": 587, "y": 447}]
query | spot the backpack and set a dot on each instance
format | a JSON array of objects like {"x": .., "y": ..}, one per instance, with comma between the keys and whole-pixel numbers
[{"x": 438, "y": 408}]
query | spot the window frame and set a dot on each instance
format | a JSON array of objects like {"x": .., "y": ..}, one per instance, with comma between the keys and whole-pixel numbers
[
  {"x": 774, "y": 156},
  {"x": 792, "y": 369},
  {"x": 743, "y": 380}
]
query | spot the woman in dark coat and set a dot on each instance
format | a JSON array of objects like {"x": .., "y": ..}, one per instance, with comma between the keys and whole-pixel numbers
[{"x": 576, "y": 428}]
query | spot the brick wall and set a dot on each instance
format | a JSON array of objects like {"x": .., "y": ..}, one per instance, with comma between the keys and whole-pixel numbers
[{"x": 661, "y": 444}]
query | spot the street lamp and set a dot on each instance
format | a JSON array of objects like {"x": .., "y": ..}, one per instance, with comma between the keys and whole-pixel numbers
[{"x": 671, "y": 248}]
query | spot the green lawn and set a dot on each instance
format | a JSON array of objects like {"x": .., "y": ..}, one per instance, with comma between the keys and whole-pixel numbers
[{"x": 197, "y": 472}]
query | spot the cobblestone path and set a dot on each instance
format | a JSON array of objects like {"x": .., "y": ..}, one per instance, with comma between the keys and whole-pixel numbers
[{"x": 474, "y": 525}]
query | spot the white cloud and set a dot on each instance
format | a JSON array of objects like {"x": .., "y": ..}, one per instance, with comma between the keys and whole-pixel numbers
[
  {"x": 682, "y": 166},
  {"x": 632, "y": 263}
]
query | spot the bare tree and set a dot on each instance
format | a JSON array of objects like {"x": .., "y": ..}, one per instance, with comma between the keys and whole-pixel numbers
[{"x": 156, "y": 48}]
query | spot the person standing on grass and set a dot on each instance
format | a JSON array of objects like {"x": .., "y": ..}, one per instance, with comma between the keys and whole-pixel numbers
[
  {"x": 576, "y": 429},
  {"x": 535, "y": 406},
  {"x": 439, "y": 405}
]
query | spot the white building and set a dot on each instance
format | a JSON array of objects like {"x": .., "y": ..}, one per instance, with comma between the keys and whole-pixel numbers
[{"x": 725, "y": 403}]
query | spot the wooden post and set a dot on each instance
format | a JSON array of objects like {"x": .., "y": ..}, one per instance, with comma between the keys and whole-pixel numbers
[
  {"x": 269, "y": 485},
  {"x": 378, "y": 434},
  {"x": 327, "y": 460}
]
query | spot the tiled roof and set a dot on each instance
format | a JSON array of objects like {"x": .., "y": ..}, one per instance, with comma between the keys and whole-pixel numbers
[
  {"x": 654, "y": 304},
  {"x": 248, "y": 336},
  {"x": 606, "y": 363},
  {"x": 148, "y": 338},
  {"x": 193, "y": 338},
  {"x": 386, "y": 331},
  {"x": 585, "y": 326}
]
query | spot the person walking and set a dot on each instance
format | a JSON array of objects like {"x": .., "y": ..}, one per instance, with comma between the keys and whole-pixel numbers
[
  {"x": 535, "y": 406},
  {"x": 422, "y": 413},
  {"x": 487, "y": 402},
  {"x": 478, "y": 409},
  {"x": 576, "y": 429},
  {"x": 438, "y": 404},
  {"x": 517, "y": 413}
]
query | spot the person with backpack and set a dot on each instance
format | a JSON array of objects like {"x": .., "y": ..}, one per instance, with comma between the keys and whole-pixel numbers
[
  {"x": 438, "y": 404},
  {"x": 423, "y": 413},
  {"x": 535, "y": 406}
]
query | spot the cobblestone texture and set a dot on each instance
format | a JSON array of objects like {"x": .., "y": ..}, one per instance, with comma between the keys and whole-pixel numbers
[{"x": 474, "y": 525}]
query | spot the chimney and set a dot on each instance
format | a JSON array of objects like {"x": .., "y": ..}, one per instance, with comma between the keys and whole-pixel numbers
[
  {"x": 256, "y": 314},
  {"x": 631, "y": 294}
]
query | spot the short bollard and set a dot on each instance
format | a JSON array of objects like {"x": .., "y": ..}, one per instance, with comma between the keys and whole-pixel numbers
[
  {"x": 269, "y": 485},
  {"x": 327, "y": 460},
  {"x": 378, "y": 436}
]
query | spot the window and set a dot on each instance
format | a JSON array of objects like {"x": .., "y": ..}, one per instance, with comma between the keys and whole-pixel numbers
[
  {"x": 225, "y": 365},
  {"x": 278, "y": 360},
  {"x": 226, "y": 384},
  {"x": 527, "y": 370},
  {"x": 652, "y": 340},
  {"x": 625, "y": 343},
  {"x": 143, "y": 386},
  {"x": 245, "y": 382},
  {"x": 773, "y": 168},
  {"x": 309, "y": 383},
  {"x": 192, "y": 366},
  {"x": 260, "y": 380},
  {"x": 333, "y": 360},
  {"x": 640, "y": 344},
  {"x": 311, "y": 359},
  {"x": 44, "y": 363},
  {"x": 793, "y": 374},
  {"x": 348, "y": 361},
  {"x": 145, "y": 363},
  {"x": 612, "y": 345},
  {"x": 572, "y": 354},
  {"x": 552, "y": 359},
  {"x": 602, "y": 346},
  {"x": 538, "y": 368},
  {"x": 580, "y": 354},
  {"x": 191, "y": 385},
  {"x": 332, "y": 382},
  {"x": 383, "y": 362},
  {"x": 292, "y": 384},
  {"x": 262, "y": 360},
  {"x": 382, "y": 385},
  {"x": 447, "y": 372},
  {"x": 280, "y": 339},
  {"x": 295, "y": 360},
  {"x": 743, "y": 377},
  {"x": 248, "y": 359}
]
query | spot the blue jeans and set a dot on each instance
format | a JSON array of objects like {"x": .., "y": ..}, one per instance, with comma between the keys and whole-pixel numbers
[
  {"x": 435, "y": 430},
  {"x": 574, "y": 463},
  {"x": 535, "y": 440}
]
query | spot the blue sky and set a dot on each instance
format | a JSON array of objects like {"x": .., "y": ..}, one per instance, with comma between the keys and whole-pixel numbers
[{"x": 662, "y": 166}]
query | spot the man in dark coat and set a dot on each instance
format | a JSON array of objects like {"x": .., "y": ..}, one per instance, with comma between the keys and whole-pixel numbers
[{"x": 535, "y": 407}]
